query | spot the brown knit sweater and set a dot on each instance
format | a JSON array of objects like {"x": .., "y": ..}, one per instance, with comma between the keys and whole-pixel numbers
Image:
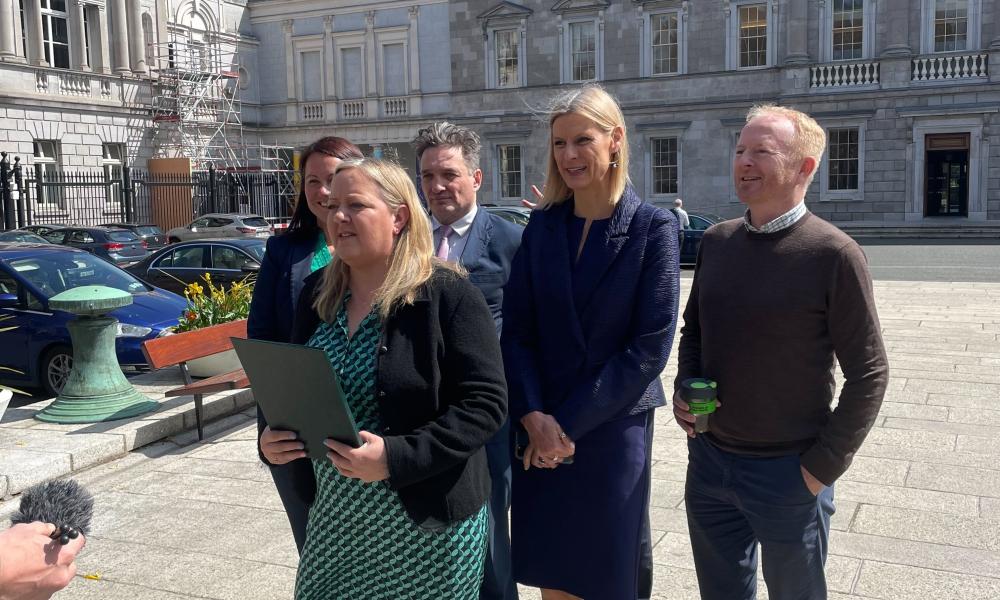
[{"x": 767, "y": 315}]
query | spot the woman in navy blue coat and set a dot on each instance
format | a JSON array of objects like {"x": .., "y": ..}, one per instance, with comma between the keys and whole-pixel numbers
[
  {"x": 589, "y": 317},
  {"x": 288, "y": 260}
]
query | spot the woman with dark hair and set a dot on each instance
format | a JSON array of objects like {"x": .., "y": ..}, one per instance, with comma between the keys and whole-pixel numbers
[{"x": 288, "y": 260}]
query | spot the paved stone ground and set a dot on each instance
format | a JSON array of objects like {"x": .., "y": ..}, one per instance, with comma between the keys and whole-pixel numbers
[{"x": 918, "y": 515}]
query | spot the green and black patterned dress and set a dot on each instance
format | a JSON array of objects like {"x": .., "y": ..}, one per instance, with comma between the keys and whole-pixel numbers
[{"x": 360, "y": 543}]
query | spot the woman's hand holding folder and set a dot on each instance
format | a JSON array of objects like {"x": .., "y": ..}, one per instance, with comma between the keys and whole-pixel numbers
[
  {"x": 367, "y": 463},
  {"x": 280, "y": 447}
]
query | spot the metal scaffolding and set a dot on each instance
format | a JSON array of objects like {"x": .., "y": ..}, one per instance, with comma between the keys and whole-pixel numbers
[
  {"x": 196, "y": 105},
  {"x": 196, "y": 113}
]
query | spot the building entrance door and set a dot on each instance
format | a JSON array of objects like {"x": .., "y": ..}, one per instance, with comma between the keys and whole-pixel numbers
[{"x": 946, "y": 187}]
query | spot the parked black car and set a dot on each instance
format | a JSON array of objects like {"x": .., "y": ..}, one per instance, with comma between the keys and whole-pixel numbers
[
  {"x": 152, "y": 235},
  {"x": 227, "y": 260},
  {"x": 43, "y": 229},
  {"x": 692, "y": 236},
  {"x": 518, "y": 215},
  {"x": 19, "y": 235},
  {"x": 119, "y": 247}
]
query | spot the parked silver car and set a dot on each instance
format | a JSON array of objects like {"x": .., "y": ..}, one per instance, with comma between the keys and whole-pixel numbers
[{"x": 215, "y": 225}]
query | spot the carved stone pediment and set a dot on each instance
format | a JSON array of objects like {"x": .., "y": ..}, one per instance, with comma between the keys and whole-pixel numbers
[
  {"x": 571, "y": 6},
  {"x": 505, "y": 10}
]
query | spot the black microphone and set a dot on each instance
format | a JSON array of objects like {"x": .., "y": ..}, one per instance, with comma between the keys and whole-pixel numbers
[{"x": 65, "y": 504}]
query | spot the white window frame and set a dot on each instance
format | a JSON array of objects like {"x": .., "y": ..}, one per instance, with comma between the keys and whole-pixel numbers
[
  {"x": 49, "y": 15},
  {"x": 490, "y": 52},
  {"x": 302, "y": 45},
  {"x": 646, "y": 42},
  {"x": 109, "y": 163},
  {"x": 389, "y": 37},
  {"x": 928, "y": 10},
  {"x": 826, "y": 31},
  {"x": 733, "y": 34},
  {"x": 823, "y": 174},
  {"x": 566, "y": 50},
  {"x": 48, "y": 153},
  {"x": 498, "y": 180},
  {"x": 348, "y": 41},
  {"x": 659, "y": 134}
]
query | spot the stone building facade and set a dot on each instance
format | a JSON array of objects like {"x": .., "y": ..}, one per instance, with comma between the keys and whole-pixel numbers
[
  {"x": 77, "y": 77},
  {"x": 908, "y": 90},
  {"x": 372, "y": 71}
]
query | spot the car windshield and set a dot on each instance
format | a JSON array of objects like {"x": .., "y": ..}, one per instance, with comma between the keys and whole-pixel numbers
[
  {"x": 122, "y": 236},
  {"x": 148, "y": 231},
  {"x": 255, "y": 221},
  {"x": 53, "y": 273},
  {"x": 256, "y": 250}
]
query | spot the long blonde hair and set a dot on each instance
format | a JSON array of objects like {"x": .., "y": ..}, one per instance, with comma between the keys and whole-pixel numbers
[
  {"x": 594, "y": 103},
  {"x": 411, "y": 262}
]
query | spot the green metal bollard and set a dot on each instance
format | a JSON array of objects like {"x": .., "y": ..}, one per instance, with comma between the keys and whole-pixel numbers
[{"x": 96, "y": 389}]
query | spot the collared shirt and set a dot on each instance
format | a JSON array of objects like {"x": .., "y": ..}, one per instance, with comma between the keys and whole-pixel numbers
[
  {"x": 458, "y": 237},
  {"x": 783, "y": 222}
]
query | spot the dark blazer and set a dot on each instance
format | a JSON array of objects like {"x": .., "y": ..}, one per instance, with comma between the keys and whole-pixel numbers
[
  {"x": 591, "y": 363},
  {"x": 286, "y": 264},
  {"x": 487, "y": 256},
  {"x": 441, "y": 394}
]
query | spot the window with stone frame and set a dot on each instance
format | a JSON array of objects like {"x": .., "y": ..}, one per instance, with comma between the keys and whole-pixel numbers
[
  {"x": 753, "y": 35},
  {"x": 848, "y": 29},
  {"x": 843, "y": 159},
  {"x": 664, "y": 165},
  {"x": 55, "y": 33},
  {"x": 583, "y": 51},
  {"x": 951, "y": 23},
  {"x": 664, "y": 33},
  {"x": 509, "y": 169},
  {"x": 113, "y": 157},
  {"x": 507, "y": 53},
  {"x": 47, "y": 156}
]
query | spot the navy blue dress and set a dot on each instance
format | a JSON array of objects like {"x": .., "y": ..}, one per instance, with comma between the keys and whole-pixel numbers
[{"x": 577, "y": 528}]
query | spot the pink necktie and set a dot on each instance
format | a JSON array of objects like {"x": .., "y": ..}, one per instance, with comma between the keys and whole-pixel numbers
[{"x": 444, "y": 247}]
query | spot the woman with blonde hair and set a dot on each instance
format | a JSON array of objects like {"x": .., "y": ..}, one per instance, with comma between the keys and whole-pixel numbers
[
  {"x": 414, "y": 346},
  {"x": 589, "y": 317}
]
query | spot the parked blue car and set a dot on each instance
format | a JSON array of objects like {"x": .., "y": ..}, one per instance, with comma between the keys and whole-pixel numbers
[{"x": 38, "y": 345}]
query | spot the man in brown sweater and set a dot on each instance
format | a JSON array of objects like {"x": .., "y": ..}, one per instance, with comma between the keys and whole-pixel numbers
[{"x": 777, "y": 296}]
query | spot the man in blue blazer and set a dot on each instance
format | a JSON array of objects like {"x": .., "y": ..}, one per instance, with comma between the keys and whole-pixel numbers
[{"x": 485, "y": 245}]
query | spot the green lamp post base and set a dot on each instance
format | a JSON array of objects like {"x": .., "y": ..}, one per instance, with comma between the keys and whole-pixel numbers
[{"x": 96, "y": 389}]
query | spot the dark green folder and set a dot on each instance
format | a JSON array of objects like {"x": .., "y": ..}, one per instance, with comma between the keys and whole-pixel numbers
[{"x": 298, "y": 390}]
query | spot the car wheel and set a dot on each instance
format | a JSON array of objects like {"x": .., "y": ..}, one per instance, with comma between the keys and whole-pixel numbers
[
  {"x": 55, "y": 369},
  {"x": 173, "y": 240}
]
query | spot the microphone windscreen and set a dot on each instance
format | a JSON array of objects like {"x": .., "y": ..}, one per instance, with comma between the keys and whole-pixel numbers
[{"x": 63, "y": 503}]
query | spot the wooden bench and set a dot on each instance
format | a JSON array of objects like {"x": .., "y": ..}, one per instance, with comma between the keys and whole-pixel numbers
[{"x": 179, "y": 348}]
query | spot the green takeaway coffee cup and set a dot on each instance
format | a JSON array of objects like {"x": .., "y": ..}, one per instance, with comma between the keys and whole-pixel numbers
[{"x": 700, "y": 394}]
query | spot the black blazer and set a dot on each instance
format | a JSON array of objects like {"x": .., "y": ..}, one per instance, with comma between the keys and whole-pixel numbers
[
  {"x": 441, "y": 395},
  {"x": 601, "y": 359},
  {"x": 286, "y": 264}
]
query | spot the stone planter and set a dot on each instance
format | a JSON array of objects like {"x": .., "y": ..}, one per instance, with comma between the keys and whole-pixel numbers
[{"x": 214, "y": 364}]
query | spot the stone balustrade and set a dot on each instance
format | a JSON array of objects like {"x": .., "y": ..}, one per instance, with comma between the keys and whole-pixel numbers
[{"x": 844, "y": 74}]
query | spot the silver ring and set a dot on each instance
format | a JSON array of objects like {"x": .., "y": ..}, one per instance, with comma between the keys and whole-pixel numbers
[
  {"x": 562, "y": 435},
  {"x": 541, "y": 460}
]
